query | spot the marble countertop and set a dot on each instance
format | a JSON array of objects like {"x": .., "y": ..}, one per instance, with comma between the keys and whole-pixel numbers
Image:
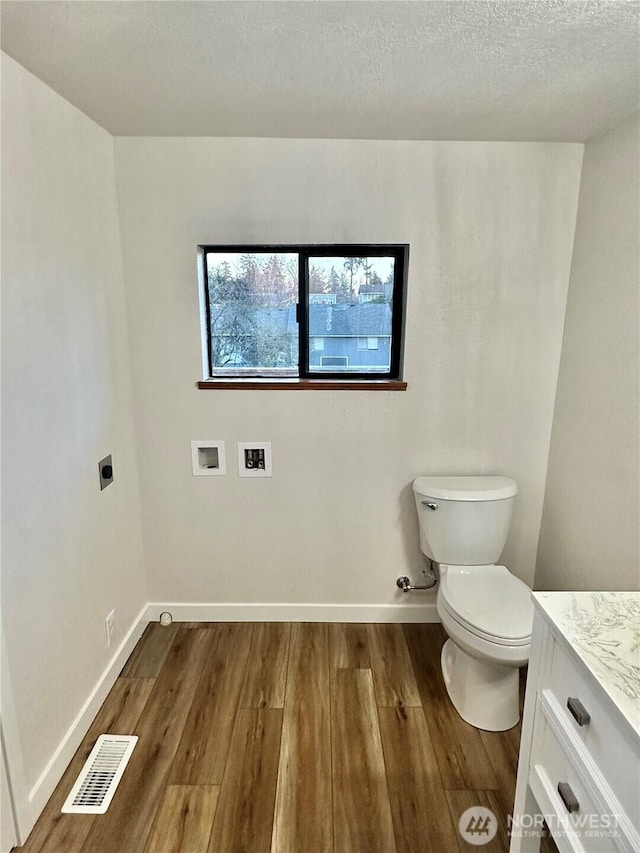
[{"x": 603, "y": 630}]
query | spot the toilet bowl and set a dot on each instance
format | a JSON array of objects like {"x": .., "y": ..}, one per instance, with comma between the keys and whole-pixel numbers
[
  {"x": 487, "y": 614},
  {"x": 485, "y": 610}
]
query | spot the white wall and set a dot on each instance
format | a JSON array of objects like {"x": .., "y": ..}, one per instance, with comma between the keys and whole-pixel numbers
[
  {"x": 590, "y": 529},
  {"x": 491, "y": 230},
  {"x": 69, "y": 552}
]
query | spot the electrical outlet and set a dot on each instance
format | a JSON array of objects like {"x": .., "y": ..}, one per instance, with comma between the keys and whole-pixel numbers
[{"x": 110, "y": 626}]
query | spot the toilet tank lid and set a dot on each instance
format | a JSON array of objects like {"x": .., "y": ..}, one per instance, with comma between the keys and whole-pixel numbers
[{"x": 466, "y": 488}]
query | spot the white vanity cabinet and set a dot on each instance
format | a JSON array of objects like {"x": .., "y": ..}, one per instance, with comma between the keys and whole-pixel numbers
[{"x": 579, "y": 765}]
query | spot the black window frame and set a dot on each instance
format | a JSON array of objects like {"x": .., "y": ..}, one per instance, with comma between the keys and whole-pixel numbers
[{"x": 398, "y": 251}]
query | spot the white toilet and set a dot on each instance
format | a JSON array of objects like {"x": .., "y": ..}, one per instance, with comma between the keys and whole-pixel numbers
[{"x": 485, "y": 610}]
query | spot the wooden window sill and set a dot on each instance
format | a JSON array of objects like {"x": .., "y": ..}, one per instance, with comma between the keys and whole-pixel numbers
[{"x": 221, "y": 384}]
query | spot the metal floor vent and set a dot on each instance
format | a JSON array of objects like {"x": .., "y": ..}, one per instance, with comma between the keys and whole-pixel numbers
[{"x": 95, "y": 786}]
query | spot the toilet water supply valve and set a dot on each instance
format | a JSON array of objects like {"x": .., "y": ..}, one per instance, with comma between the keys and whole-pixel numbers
[{"x": 404, "y": 583}]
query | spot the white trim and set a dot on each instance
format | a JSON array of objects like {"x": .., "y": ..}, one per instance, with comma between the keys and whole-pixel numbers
[
  {"x": 8, "y": 826},
  {"x": 52, "y": 773},
  {"x": 10, "y": 742},
  {"x": 285, "y": 612}
]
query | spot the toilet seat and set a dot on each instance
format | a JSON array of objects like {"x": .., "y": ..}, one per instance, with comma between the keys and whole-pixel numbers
[{"x": 489, "y": 602}]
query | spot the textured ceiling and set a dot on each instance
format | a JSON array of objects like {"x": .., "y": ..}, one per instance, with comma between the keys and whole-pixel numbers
[{"x": 433, "y": 69}]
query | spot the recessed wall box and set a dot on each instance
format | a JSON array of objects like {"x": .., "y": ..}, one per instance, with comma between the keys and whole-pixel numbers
[
  {"x": 254, "y": 458},
  {"x": 207, "y": 458}
]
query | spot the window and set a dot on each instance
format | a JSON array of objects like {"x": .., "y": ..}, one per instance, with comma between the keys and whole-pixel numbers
[
  {"x": 323, "y": 298},
  {"x": 367, "y": 343},
  {"x": 325, "y": 312},
  {"x": 334, "y": 361}
]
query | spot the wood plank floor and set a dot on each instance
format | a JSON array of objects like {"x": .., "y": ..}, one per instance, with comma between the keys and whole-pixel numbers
[{"x": 273, "y": 738}]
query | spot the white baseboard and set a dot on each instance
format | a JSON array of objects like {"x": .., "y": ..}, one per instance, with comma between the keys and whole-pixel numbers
[
  {"x": 275, "y": 612},
  {"x": 52, "y": 773}
]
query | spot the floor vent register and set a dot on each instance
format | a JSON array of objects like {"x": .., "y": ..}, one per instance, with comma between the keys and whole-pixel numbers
[{"x": 95, "y": 786}]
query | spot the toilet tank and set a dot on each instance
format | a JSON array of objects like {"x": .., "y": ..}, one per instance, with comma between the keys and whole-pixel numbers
[{"x": 464, "y": 521}]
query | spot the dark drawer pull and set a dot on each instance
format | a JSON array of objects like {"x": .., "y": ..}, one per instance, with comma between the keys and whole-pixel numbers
[
  {"x": 568, "y": 797},
  {"x": 578, "y": 711}
]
